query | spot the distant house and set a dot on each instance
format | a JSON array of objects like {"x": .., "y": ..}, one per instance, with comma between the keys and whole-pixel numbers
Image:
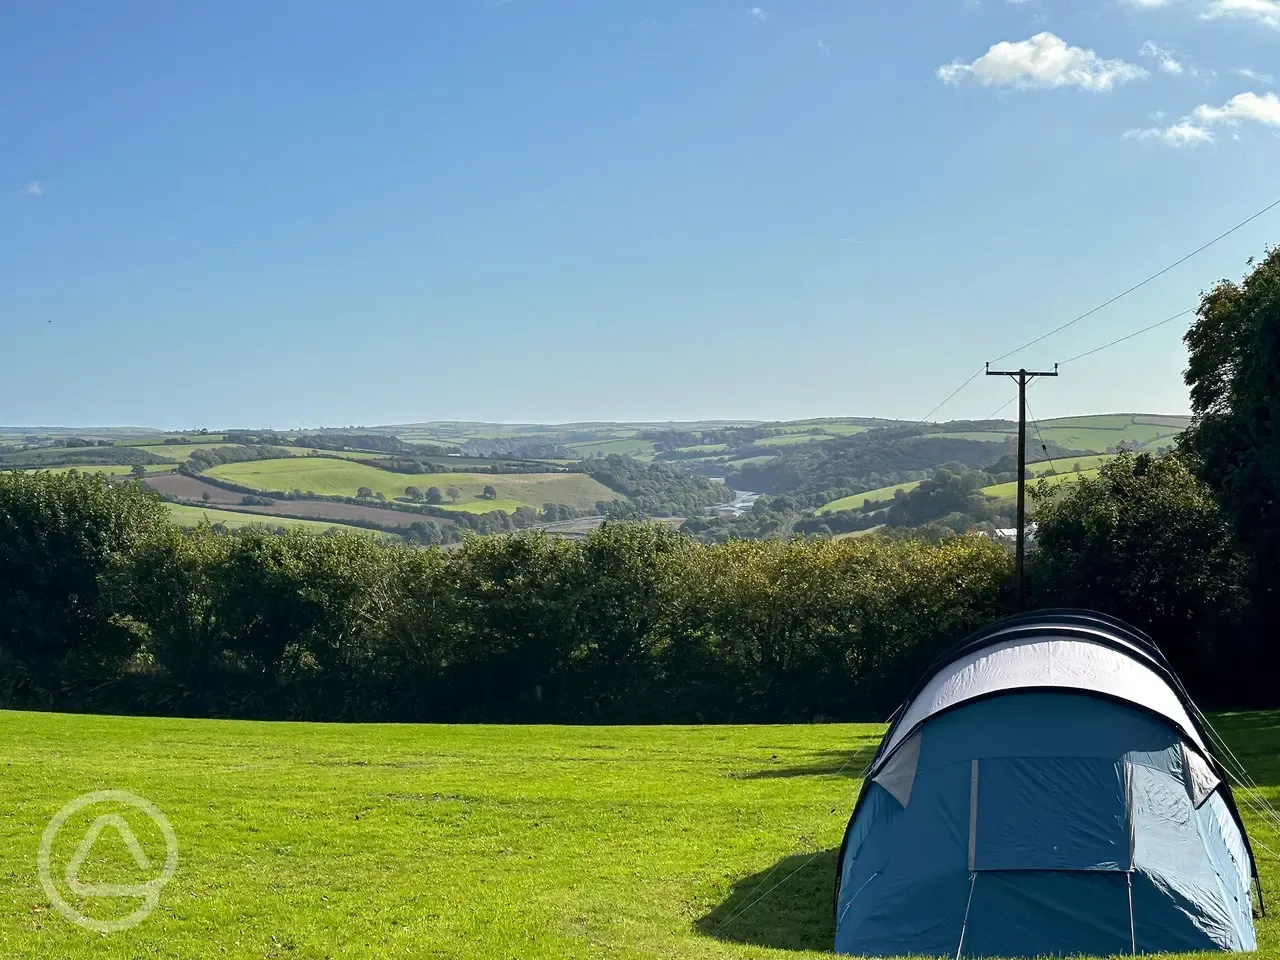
[{"x": 1009, "y": 535}]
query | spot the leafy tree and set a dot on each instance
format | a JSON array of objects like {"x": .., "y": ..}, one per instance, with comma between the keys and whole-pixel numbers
[
  {"x": 138, "y": 471},
  {"x": 1234, "y": 440},
  {"x": 205, "y": 496},
  {"x": 489, "y": 493},
  {"x": 413, "y": 493},
  {"x": 1145, "y": 541},
  {"x": 453, "y": 493},
  {"x": 433, "y": 494},
  {"x": 58, "y": 535},
  {"x": 364, "y": 493},
  {"x": 952, "y": 492}
]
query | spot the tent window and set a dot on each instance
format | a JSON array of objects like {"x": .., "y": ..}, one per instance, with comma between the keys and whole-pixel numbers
[{"x": 1049, "y": 813}]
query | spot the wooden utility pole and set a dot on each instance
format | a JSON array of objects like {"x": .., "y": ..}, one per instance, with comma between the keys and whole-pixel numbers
[{"x": 1023, "y": 377}]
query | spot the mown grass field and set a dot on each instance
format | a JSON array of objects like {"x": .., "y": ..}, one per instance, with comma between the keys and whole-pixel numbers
[
  {"x": 314, "y": 841},
  {"x": 879, "y": 495},
  {"x": 343, "y": 478}
]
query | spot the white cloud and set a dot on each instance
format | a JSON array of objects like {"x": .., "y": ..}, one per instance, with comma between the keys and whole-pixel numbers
[
  {"x": 1253, "y": 75},
  {"x": 1264, "y": 11},
  {"x": 1184, "y": 133},
  {"x": 1163, "y": 56},
  {"x": 34, "y": 188},
  {"x": 1243, "y": 106},
  {"x": 826, "y": 52},
  {"x": 1043, "y": 61},
  {"x": 1147, "y": 4},
  {"x": 1193, "y": 130},
  {"x": 755, "y": 14}
]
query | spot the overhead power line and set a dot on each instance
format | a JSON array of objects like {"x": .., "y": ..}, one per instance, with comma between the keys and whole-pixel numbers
[
  {"x": 1102, "y": 306},
  {"x": 1130, "y": 336},
  {"x": 1143, "y": 283}
]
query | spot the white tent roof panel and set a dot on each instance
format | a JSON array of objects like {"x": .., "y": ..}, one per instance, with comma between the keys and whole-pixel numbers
[{"x": 1019, "y": 662}]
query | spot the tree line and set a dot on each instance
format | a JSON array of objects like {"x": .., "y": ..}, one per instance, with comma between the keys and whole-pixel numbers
[{"x": 106, "y": 606}]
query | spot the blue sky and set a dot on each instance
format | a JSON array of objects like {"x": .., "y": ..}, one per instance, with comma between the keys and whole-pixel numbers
[{"x": 308, "y": 212}]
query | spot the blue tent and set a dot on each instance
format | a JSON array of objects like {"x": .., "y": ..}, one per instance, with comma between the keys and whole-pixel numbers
[{"x": 1047, "y": 789}]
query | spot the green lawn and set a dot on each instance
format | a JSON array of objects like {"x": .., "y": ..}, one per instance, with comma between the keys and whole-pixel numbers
[
  {"x": 185, "y": 516},
  {"x": 344, "y": 477},
  {"x": 879, "y": 495},
  {"x": 313, "y": 841}
]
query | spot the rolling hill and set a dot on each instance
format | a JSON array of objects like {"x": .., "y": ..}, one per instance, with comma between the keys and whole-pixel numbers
[{"x": 344, "y": 478}]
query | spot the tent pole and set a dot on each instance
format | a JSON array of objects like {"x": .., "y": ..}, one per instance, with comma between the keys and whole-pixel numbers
[
  {"x": 1133, "y": 940},
  {"x": 964, "y": 926}
]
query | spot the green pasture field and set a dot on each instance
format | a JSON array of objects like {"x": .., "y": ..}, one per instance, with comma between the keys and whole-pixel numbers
[
  {"x": 1090, "y": 433},
  {"x": 178, "y": 451},
  {"x": 106, "y": 469},
  {"x": 879, "y": 495},
  {"x": 764, "y": 458},
  {"x": 484, "y": 506},
  {"x": 792, "y": 439},
  {"x": 626, "y": 446},
  {"x": 313, "y": 841},
  {"x": 159, "y": 440},
  {"x": 1067, "y": 464},
  {"x": 985, "y": 436},
  {"x": 844, "y": 428},
  {"x": 185, "y": 516},
  {"x": 1007, "y": 491},
  {"x": 344, "y": 478},
  {"x": 1098, "y": 433},
  {"x": 183, "y": 451},
  {"x": 705, "y": 448}
]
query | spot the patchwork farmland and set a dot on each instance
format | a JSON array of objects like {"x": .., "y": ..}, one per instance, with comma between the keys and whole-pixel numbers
[{"x": 344, "y": 479}]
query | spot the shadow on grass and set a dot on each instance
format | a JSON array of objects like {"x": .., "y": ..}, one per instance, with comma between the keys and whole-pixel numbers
[
  {"x": 845, "y": 763},
  {"x": 787, "y": 907}
]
